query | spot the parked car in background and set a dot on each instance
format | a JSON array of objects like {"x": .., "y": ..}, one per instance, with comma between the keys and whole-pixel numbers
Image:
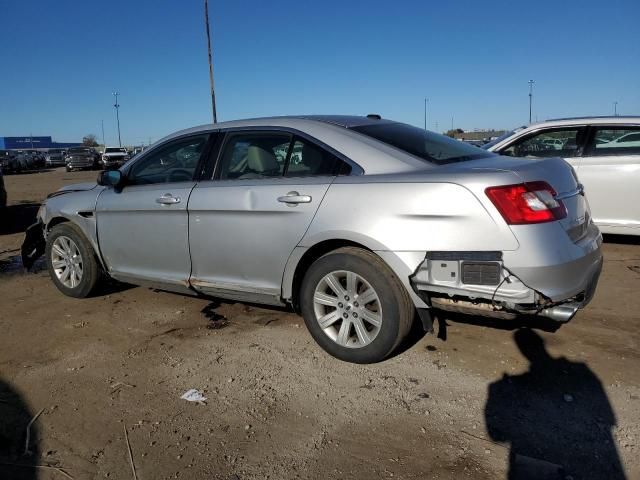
[
  {"x": 3, "y": 196},
  {"x": 9, "y": 162},
  {"x": 55, "y": 158},
  {"x": 605, "y": 154},
  {"x": 475, "y": 143},
  {"x": 374, "y": 221},
  {"x": 24, "y": 160},
  {"x": 37, "y": 158},
  {"x": 114, "y": 157},
  {"x": 82, "y": 158}
]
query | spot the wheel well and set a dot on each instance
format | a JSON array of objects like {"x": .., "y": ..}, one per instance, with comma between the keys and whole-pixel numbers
[
  {"x": 56, "y": 221},
  {"x": 307, "y": 260}
]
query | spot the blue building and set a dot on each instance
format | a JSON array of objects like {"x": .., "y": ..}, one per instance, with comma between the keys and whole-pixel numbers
[{"x": 29, "y": 143}]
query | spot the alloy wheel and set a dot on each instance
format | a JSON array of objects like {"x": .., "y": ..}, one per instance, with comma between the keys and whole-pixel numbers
[
  {"x": 66, "y": 261},
  {"x": 348, "y": 309}
]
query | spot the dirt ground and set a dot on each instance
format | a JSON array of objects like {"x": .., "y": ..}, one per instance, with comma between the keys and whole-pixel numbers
[{"x": 475, "y": 400}]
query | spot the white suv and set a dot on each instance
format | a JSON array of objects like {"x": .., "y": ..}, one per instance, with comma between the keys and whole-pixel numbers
[
  {"x": 605, "y": 153},
  {"x": 114, "y": 157}
]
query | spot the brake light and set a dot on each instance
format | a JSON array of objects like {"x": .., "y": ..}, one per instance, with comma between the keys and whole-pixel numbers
[{"x": 526, "y": 203}]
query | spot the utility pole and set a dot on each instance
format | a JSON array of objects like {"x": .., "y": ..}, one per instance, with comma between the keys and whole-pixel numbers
[
  {"x": 117, "y": 107},
  {"x": 213, "y": 92},
  {"x": 426, "y": 107},
  {"x": 615, "y": 109},
  {"x": 451, "y": 122},
  {"x": 436, "y": 126},
  {"x": 531, "y": 82},
  {"x": 103, "y": 144}
]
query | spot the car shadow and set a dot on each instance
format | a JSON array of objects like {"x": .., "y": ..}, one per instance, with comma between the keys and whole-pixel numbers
[
  {"x": 30, "y": 171},
  {"x": 17, "y": 218},
  {"x": 15, "y": 415},
  {"x": 621, "y": 239},
  {"x": 440, "y": 326},
  {"x": 556, "y": 418}
]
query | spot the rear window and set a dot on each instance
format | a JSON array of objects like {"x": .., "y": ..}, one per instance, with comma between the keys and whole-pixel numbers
[{"x": 426, "y": 145}]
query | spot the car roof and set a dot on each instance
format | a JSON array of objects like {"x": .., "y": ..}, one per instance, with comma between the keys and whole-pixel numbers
[
  {"x": 609, "y": 120},
  {"x": 346, "y": 121},
  {"x": 333, "y": 130}
]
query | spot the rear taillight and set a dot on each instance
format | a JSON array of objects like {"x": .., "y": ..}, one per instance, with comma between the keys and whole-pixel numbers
[{"x": 525, "y": 203}]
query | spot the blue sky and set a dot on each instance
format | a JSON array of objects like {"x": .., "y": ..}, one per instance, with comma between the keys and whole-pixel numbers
[{"x": 62, "y": 60}]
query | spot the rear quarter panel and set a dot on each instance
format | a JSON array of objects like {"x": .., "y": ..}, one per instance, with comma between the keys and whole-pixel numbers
[{"x": 408, "y": 216}]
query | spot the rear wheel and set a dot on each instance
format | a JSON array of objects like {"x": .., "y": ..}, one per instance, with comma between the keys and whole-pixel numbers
[
  {"x": 71, "y": 261},
  {"x": 354, "y": 305}
]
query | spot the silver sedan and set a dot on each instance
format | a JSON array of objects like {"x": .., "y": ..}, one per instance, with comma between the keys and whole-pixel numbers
[{"x": 360, "y": 224}]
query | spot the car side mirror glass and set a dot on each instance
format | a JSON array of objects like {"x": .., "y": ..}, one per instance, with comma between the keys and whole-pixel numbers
[{"x": 110, "y": 178}]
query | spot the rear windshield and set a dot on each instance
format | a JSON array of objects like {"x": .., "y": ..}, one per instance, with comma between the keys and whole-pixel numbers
[
  {"x": 426, "y": 145},
  {"x": 79, "y": 150},
  {"x": 115, "y": 150}
]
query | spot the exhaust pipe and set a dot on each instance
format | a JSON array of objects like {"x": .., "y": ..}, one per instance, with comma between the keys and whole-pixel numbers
[{"x": 560, "y": 313}]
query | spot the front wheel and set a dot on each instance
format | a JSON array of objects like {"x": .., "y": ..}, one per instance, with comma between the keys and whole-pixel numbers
[
  {"x": 71, "y": 261},
  {"x": 354, "y": 306}
]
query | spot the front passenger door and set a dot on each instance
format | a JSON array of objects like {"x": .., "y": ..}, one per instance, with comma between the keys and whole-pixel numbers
[
  {"x": 245, "y": 223},
  {"x": 143, "y": 229},
  {"x": 565, "y": 142}
]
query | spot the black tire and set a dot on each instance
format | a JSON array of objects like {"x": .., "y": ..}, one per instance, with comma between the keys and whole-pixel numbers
[
  {"x": 91, "y": 269},
  {"x": 397, "y": 306}
]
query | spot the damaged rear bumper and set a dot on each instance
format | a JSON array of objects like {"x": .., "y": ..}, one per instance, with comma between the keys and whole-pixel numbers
[{"x": 482, "y": 283}]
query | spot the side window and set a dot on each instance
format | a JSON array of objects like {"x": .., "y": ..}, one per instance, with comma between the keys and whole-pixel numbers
[
  {"x": 175, "y": 162},
  {"x": 308, "y": 159},
  {"x": 616, "y": 141},
  {"x": 254, "y": 155},
  {"x": 549, "y": 143}
]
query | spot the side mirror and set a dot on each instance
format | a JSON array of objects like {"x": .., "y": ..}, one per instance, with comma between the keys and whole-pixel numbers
[{"x": 110, "y": 178}]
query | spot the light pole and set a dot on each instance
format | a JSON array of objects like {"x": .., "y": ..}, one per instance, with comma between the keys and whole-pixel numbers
[
  {"x": 426, "y": 107},
  {"x": 213, "y": 92},
  {"x": 615, "y": 109},
  {"x": 531, "y": 82},
  {"x": 117, "y": 107},
  {"x": 103, "y": 144}
]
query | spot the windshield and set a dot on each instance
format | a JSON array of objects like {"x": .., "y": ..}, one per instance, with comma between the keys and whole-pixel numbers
[
  {"x": 423, "y": 144},
  {"x": 79, "y": 150},
  {"x": 115, "y": 150},
  {"x": 487, "y": 146}
]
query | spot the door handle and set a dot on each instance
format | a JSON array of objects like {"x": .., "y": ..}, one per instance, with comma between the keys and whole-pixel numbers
[
  {"x": 293, "y": 198},
  {"x": 168, "y": 199}
]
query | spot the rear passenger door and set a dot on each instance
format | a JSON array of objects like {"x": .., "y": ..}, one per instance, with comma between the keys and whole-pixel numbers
[
  {"x": 610, "y": 172},
  {"x": 246, "y": 220}
]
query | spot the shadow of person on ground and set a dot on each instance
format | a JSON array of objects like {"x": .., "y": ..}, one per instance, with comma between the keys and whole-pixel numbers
[
  {"x": 15, "y": 415},
  {"x": 556, "y": 417}
]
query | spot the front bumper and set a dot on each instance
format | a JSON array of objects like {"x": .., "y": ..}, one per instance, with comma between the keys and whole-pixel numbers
[
  {"x": 33, "y": 245},
  {"x": 79, "y": 165},
  {"x": 55, "y": 162},
  {"x": 116, "y": 162}
]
